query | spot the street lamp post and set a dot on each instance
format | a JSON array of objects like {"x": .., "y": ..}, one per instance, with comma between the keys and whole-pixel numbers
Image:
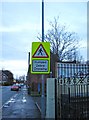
[
  {"x": 42, "y": 20},
  {"x": 42, "y": 96}
]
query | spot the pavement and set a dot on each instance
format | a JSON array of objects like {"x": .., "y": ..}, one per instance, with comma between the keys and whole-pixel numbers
[
  {"x": 38, "y": 102},
  {"x": 21, "y": 106}
]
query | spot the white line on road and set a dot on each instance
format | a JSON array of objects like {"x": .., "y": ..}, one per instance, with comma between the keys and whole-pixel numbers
[
  {"x": 24, "y": 99},
  {"x": 6, "y": 104}
]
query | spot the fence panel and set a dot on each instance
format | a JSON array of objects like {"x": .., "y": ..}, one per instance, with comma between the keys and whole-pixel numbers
[{"x": 72, "y": 90}]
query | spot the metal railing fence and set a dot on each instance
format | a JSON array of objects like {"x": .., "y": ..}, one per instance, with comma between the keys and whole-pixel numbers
[{"x": 72, "y": 90}]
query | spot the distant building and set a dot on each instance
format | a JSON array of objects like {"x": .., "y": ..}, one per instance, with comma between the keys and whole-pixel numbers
[
  {"x": 6, "y": 77},
  {"x": 0, "y": 76}
]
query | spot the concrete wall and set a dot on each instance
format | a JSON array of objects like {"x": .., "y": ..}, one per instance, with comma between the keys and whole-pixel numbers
[
  {"x": 50, "y": 102},
  {"x": 0, "y": 102}
]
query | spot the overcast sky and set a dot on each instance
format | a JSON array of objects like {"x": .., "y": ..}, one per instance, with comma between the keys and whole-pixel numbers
[{"x": 21, "y": 23}]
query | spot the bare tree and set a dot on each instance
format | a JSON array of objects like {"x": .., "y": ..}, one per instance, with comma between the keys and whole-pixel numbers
[{"x": 63, "y": 43}]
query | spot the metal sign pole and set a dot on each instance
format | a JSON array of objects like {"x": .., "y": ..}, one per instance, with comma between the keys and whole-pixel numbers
[
  {"x": 42, "y": 20},
  {"x": 42, "y": 96}
]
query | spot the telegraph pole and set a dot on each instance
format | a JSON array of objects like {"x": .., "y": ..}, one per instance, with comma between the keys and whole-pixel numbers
[{"x": 43, "y": 95}]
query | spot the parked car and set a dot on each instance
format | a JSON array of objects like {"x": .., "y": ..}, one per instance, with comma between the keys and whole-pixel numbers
[
  {"x": 18, "y": 84},
  {"x": 14, "y": 88},
  {"x": 22, "y": 84}
]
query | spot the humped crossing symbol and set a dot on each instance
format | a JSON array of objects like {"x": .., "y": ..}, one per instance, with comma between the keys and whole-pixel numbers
[{"x": 40, "y": 52}]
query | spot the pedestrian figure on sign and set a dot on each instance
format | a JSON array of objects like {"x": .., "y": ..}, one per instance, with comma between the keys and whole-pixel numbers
[{"x": 40, "y": 51}]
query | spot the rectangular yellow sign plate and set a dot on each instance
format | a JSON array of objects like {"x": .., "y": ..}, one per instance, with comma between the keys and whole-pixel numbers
[{"x": 40, "y": 60}]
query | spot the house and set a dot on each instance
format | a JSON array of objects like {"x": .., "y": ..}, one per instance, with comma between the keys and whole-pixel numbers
[
  {"x": 6, "y": 77},
  {"x": 0, "y": 77},
  {"x": 3, "y": 77}
]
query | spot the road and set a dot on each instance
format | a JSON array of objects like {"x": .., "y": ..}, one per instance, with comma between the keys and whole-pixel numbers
[
  {"x": 7, "y": 94},
  {"x": 18, "y": 104}
]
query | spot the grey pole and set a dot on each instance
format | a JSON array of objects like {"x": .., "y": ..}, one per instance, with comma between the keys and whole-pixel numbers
[
  {"x": 42, "y": 20},
  {"x": 42, "y": 95}
]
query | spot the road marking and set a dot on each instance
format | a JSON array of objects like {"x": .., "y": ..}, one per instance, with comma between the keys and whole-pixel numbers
[
  {"x": 6, "y": 104},
  {"x": 12, "y": 100},
  {"x": 24, "y": 100},
  {"x": 15, "y": 95}
]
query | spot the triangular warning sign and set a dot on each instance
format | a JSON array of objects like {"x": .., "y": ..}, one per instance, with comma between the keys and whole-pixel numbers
[{"x": 40, "y": 52}]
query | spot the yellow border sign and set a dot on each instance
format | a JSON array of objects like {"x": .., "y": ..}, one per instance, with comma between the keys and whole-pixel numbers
[{"x": 40, "y": 60}]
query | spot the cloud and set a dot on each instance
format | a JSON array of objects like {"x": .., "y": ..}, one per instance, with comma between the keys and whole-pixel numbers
[
  {"x": 17, "y": 67},
  {"x": 82, "y": 49},
  {"x": 20, "y": 28},
  {"x": 45, "y": 1},
  {"x": 0, "y": 46},
  {"x": 83, "y": 44}
]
